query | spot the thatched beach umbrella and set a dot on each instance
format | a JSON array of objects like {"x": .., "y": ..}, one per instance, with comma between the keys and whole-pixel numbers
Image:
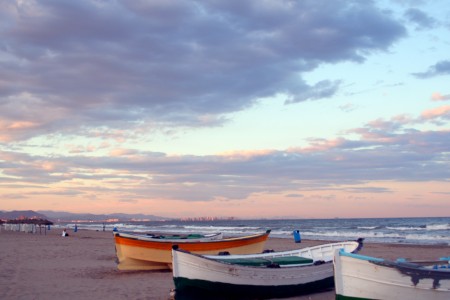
[
  {"x": 36, "y": 222},
  {"x": 39, "y": 222}
]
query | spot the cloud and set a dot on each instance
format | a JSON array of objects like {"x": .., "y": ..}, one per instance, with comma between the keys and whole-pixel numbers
[
  {"x": 439, "y": 97},
  {"x": 440, "y": 68},
  {"x": 294, "y": 196},
  {"x": 388, "y": 131},
  {"x": 81, "y": 66},
  {"x": 370, "y": 190},
  {"x": 435, "y": 113},
  {"x": 383, "y": 150},
  {"x": 420, "y": 18},
  {"x": 348, "y": 107},
  {"x": 322, "y": 89}
]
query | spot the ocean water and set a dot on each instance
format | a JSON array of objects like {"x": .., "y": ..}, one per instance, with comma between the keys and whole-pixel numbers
[{"x": 424, "y": 231}]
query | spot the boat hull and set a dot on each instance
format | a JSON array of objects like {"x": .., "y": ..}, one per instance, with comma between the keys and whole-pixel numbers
[
  {"x": 186, "y": 286},
  {"x": 136, "y": 254},
  {"x": 362, "y": 277},
  {"x": 195, "y": 273}
]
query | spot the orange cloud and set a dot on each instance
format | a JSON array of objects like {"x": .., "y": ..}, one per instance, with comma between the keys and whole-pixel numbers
[
  {"x": 21, "y": 125},
  {"x": 48, "y": 166}
]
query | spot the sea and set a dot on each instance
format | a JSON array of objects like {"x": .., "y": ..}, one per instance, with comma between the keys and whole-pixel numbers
[{"x": 421, "y": 231}]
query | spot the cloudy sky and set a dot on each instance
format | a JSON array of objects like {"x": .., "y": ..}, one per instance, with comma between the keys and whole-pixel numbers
[{"x": 255, "y": 108}]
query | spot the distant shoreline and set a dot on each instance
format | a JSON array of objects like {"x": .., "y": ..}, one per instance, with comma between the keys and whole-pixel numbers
[{"x": 63, "y": 217}]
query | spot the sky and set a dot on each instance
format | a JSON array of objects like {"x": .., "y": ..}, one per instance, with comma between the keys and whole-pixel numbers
[{"x": 226, "y": 108}]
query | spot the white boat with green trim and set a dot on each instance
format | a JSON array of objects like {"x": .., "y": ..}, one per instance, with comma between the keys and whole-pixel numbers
[
  {"x": 365, "y": 277},
  {"x": 265, "y": 275}
]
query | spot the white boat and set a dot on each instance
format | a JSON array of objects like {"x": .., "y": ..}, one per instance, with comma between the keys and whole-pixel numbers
[
  {"x": 266, "y": 275},
  {"x": 364, "y": 277}
]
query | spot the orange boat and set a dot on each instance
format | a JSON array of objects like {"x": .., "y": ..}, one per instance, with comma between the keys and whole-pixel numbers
[{"x": 134, "y": 253}]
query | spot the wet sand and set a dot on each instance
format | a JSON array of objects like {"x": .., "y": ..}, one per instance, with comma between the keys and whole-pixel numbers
[{"x": 83, "y": 266}]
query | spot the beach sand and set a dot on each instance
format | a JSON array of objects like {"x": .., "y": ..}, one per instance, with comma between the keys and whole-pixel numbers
[{"x": 83, "y": 266}]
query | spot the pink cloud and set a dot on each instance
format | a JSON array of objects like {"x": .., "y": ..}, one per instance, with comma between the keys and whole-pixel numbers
[
  {"x": 320, "y": 145},
  {"x": 439, "y": 97},
  {"x": 403, "y": 119},
  {"x": 380, "y": 124},
  {"x": 22, "y": 125},
  {"x": 47, "y": 166},
  {"x": 373, "y": 135},
  {"x": 245, "y": 154},
  {"x": 10, "y": 130},
  {"x": 442, "y": 111},
  {"x": 122, "y": 152}
]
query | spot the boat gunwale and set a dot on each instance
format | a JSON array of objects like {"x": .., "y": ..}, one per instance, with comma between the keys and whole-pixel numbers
[
  {"x": 181, "y": 238},
  {"x": 222, "y": 259},
  {"x": 288, "y": 252},
  {"x": 403, "y": 264}
]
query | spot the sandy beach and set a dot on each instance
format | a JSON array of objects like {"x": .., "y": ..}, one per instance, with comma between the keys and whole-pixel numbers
[{"x": 82, "y": 266}]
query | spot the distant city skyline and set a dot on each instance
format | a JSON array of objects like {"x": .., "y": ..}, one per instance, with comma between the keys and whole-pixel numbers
[{"x": 251, "y": 109}]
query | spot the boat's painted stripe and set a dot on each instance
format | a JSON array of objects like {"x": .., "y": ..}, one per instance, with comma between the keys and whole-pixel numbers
[
  {"x": 261, "y": 261},
  {"x": 341, "y": 297},
  {"x": 193, "y": 246},
  {"x": 195, "y": 287},
  {"x": 359, "y": 256}
]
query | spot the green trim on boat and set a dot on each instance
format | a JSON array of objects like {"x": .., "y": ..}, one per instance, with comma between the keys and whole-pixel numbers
[
  {"x": 181, "y": 237},
  {"x": 341, "y": 297},
  {"x": 195, "y": 236},
  {"x": 263, "y": 262}
]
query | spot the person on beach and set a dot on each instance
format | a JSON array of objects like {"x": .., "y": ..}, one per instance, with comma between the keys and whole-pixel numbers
[{"x": 64, "y": 233}]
